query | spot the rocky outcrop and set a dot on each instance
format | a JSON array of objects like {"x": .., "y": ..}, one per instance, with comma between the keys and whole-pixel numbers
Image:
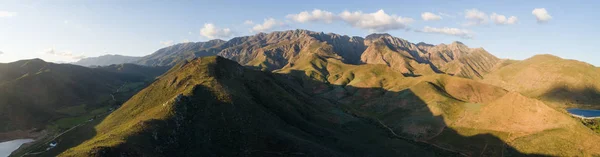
[{"x": 276, "y": 50}]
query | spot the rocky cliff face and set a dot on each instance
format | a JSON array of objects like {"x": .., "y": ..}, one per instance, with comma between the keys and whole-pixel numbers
[{"x": 276, "y": 50}]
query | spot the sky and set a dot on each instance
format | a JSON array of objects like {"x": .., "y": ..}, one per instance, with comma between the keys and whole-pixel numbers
[{"x": 66, "y": 31}]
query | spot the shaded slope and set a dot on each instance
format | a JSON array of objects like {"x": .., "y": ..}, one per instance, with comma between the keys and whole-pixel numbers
[
  {"x": 136, "y": 70},
  {"x": 34, "y": 92},
  {"x": 455, "y": 113},
  {"x": 213, "y": 106}
]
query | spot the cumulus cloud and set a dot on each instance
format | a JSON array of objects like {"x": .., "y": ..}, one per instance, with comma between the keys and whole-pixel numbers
[
  {"x": 249, "y": 22},
  {"x": 446, "y": 15},
  {"x": 448, "y": 31},
  {"x": 211, "y": 31},
  {"x": 167, "y": 43},
  {"x": 267, "y": 25},
  {"x": 475, "y": 17},
  {"x": 428, "y": 16},
  {"x": 541, "y": 15},
  {"x": 7, "y": 14},
  {"x": 65, "y": 54},
  {"x": 502, "y": 20},
  {"x": 315, "y": 15},
  {"x": 375, "y": 22}
]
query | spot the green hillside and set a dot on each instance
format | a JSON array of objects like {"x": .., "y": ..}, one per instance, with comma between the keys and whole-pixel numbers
[
  {"x": 324, "y": 107},
  {"x": 304, "y": 93},
  {"x": 213, "y": 106},
  {"x": 36, "y": 95}
]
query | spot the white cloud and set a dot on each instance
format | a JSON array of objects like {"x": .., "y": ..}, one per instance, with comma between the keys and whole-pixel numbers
[
  {"x": 375, "y": 22},
  {"x": 502, "y": 20},
  {"x": 65, "y": 54},
  {"x": 446, "y": 15},
  {"x": 315, "y": 15},
  {"x": 267, "y": 25},
  {"x": 249, "y": 22},
  {"x": 185, "y": 41},
  {"x": 475, "y": 17},
  {"x": 449, "y": 31},
  {"x": 167, "y": 43},
  {"x": 428, "y": 16},
  {"x": 211, "y": 31},
  {"x": 7, "y": 14},
  {"x": 541, "y": 15},
  {"x": 1, "y": 52}
]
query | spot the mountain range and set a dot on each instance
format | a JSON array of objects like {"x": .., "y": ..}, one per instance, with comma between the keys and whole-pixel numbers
[
  {"x": 305, "y": 93},
  {"x": 106, "y": 60}
]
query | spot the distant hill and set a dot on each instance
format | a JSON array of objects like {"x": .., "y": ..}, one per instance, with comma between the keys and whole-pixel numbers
[
  {"x": 34, "y": 93},
  {"x": 568, "y": 83},
  {"x": 106, "y": 60},
  {"x": 171, "y": 55},
  {"x": 136, "y": 70}
]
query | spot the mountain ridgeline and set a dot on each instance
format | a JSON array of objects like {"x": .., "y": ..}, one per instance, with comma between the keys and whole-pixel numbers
[
  {"x": 304, "y": 93},
  {"x": 106, "y": 60},
  {"x": 280, "y": 49},
  {"x": 324, "y": 107}
]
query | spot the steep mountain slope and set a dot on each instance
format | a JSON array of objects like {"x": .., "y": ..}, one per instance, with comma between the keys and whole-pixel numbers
[
  {"x": 106, "y": 60},
  {"x": 214, "y": 107},
  {"x": 307, "y": 93},
  {"x": 171, "y": 55},
  {"x": 323, "y": 106},
  {"x": 396, "y": 53},
  {"x": 276, "y": 50},
  {"x": 460, "y": 114},
  {"x": 566, "y": 83},
  {"x": 34, "y": 92}
]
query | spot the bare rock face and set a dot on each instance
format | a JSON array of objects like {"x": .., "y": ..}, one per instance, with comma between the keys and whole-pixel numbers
[
  {"x": 423, "y": 59},
  {"x": 276, "y": 50}
]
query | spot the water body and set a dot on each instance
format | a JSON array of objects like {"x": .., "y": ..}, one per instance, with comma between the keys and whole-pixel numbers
[
  {"x": 9, "y": 146},
  {"x": 585, "y": 113}
]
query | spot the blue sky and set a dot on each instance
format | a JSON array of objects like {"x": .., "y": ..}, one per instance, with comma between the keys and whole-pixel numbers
[{"x": 64, "y": 31}]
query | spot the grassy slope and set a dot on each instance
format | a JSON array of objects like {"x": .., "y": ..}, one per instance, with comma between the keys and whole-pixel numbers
[
  {"x": 561, "y": 82},
  {"x": 40, "y": 99},
  {"x": 467, "y": 108},
  {"x": 226, "y": 110},
  {"x": 33, "y": 92}
]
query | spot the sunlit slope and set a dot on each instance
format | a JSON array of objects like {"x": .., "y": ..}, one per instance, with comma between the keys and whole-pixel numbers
[
  {"x": 276, "y": 50},
  {"x": 566, "y": 83},
  {"x": 452, "y": 112},
  {"x": 213, "y": 106}
]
